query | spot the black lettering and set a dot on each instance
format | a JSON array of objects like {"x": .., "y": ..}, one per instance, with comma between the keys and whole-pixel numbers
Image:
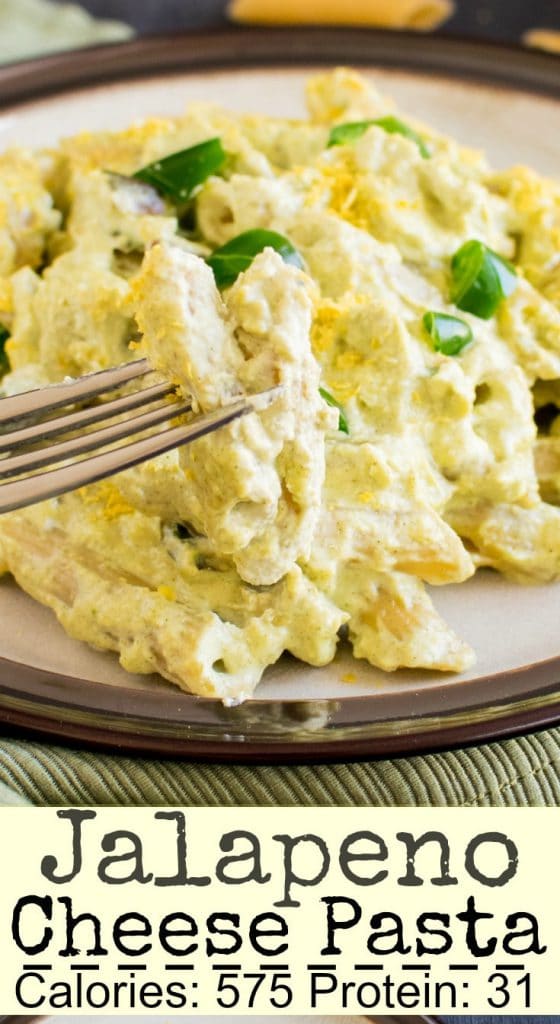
[
  {"x": 253, "y": 855},
  {"x": 424, "y": 929},
  {"x": 109, "y": 844},
  {"x": 531, "y": 932},
  {"x": 257, "y": 931},
  {"x": 335, "y": 924},
  {"x": 121, "y": 932},
  {"x": 45, "y": 905},
  {"x": 150, "y": 994},
  {"x": 96, "y": 949},
  {"x": 472, "y": 916},
  {"x": 98, "y": 1002},
  {"x": 347, "y": 856},
  {"x": 177, "y": 998},
  {"x": 181, "y": 877},
  {"x": 290, "y": 843},
  {"x": 49, "y": 863},
  {"x": 412, "y": 847},
  {"x": 375, "y": 943},
  {"x": 408, "y": 995},
  {"x": 60, "y": 995},
  {"x": 321, "y": 985},
  {"x": 166, "y": 933},
  {"x": 512, "y": 855},
  {"x": 215, "y": 929},
  {"x": 26, "y": 1000}
]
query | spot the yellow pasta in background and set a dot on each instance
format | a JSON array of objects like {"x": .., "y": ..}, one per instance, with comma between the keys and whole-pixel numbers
[
  {"x": 423, "y": 15},
  {"x": 543, "y": 39}
]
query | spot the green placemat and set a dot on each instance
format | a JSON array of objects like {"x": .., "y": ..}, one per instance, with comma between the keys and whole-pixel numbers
[{"x": 520, "y": 772}]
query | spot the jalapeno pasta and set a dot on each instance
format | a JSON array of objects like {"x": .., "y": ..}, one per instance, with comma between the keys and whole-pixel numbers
[{"x": 402, "y": 297}]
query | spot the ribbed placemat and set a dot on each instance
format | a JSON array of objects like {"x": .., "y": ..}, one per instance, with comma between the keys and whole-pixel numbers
[{"x": 514, "y": 773}]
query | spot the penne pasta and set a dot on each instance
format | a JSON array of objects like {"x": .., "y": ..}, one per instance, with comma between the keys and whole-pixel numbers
[{"x": 423, "y": 15}]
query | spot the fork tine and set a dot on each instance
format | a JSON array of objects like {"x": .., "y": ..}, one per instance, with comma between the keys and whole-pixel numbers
[
  {"x": 76, "y": 446},
  {"x": 83, "y": 417},
  {"x": 43, "y": 400},
  {"x": 19, "y": 493}
]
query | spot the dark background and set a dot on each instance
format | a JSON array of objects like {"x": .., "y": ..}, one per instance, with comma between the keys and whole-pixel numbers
[{"x": 498, "y": 19}]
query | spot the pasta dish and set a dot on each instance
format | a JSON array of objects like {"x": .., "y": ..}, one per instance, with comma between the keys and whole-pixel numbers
[{"x": 403, "y": 298}]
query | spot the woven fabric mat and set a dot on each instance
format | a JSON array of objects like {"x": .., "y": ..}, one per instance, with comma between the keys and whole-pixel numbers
[{"x": 519, "y": 772}]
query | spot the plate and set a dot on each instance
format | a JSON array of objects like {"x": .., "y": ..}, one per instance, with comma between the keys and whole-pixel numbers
[{"x": 503, "y": 100}]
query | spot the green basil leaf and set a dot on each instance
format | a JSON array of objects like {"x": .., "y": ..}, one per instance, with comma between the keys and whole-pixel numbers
[
  {"x": 449, "y": 334},
  {"x": 342, "y": 421},
  {"x": 179, "y": 174},
  {"x": 346, "y": 134},
  {"x": 235, "y": 256},
  {"x": 4, "y": 361},
  {"x": 481, "y": 279}
]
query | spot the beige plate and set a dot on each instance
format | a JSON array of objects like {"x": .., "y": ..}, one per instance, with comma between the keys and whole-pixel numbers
[{"x": 51, "y": 683}]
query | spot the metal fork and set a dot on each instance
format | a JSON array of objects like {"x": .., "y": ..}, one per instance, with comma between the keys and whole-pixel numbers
[{"x": 31, "y": 439}]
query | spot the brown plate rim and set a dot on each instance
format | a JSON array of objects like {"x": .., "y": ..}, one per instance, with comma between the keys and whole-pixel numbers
[
  {"x": 35, "y": 700},
  {"x": 489, "y": 61}
]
